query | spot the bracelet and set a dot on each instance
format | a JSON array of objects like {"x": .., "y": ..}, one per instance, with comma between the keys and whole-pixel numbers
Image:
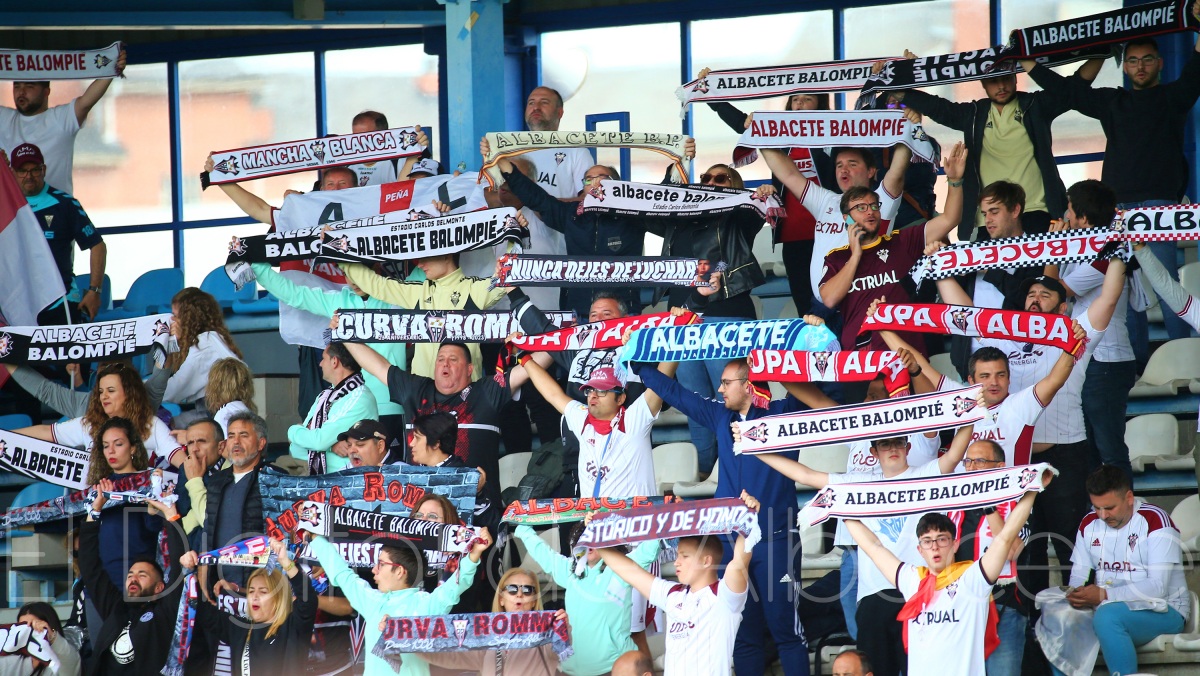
[
  {"x": 94, "y": 514},
  {"x": 175, "y": 518},
  {"x": 290, "y": 567},
  {"x": 955, "y": 184}
]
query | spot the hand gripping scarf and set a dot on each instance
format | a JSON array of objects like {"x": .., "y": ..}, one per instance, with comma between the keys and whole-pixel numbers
[
  {"x": 653, "y": 200},
  {"x": 534, "y": 270},
  {"x": 432, "y": 326},
  {"x": 507, "y": 144},
  {"x": 477, "y": 631},
  {"x": 961, "y": 320},
  {"x": 24, "y": 65},
  {"x": 1106, "y": 28},
  {"x": 359, "y": 525},
  {"x": 1174, "y": 222},
  {"x": 43, "y": 460},
  {"x": 742, "y": 84},
  {"x": 723, "y": 340},
  {"x": 824, "y": 366},
  {"x": 607, "y": 334},
  {"x": 569, "y": 510},
  {"x": 902, "y": 497},
  {"x": 99, "y": 341},
  {"x": 245, "y": 164},
  {"x": 22, "y": 640},
  {"x": 76, "y": 502},
  {"x": 662, "y": 522},
  {"x": 829, "y": 128},
  {"x": 927, "y": 592},
  {"x": 1051, "y": 248},
  {"x": 898, "y": 417}
]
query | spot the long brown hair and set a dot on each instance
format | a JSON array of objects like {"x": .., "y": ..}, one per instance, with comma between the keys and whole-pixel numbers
[
  {"x": 199, "y": 313},
  {"x": 98, "y": 467},
  {"x": 229, "y": 380},
  {"x": 449, "y": 511},
  {"x": 137, "y": 402}
]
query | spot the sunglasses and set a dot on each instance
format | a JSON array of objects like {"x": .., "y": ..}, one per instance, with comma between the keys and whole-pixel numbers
[
  {"x": 719, "y": 179},
  {"x": 523, "y": 589}
]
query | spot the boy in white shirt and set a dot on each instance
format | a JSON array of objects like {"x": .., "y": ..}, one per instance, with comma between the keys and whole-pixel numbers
[{"x": 703, "y": 610}]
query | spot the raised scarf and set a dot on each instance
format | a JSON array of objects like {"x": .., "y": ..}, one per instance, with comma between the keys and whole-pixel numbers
[
  {"x": 359, "y": 525},
  {"x": 674, "y": 520},
  {"x": 602, "y": 335},
  {"x": 98, "y": 341},
  {"x": 535, "y": 270},
  {"x": 799, "y": 366},
  {"x": 832, "y": 128},
  {"x": 927, "y": 592},
  {"x": 570, "y": 510},
  {"x": 742, "y": 84},
  {"x": 654, "y": 200},
  {"x": 28, "y": 65},
  {"x": 1175, "y": 222},
  {"x": 432, "y": 326},
  {"x": 508, "y": 144},
  {"x": 1010, "y": 253},
  {"x": 723, "y": 340},
  {"x": 962, "y": 320},
  {"x": 477, "y": 631},
  {"x": 44, "y": 460},
  {"x": 1105, "y": 28}
]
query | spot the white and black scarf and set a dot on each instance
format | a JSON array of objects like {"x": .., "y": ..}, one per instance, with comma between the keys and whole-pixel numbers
[
  {"x": 26, "y": 65},
  {"x": 832, "y": 128},
  {"x": 1010, "y": 253},
  {"x": 507, "y": 144},
  {"x": 431, "y": 326},
  {"x": 325, "y": 401},
  {"x": 744, "y": 84},
  {"x": 654, "y": 200},
  {"x": 1106, "y": 28}
]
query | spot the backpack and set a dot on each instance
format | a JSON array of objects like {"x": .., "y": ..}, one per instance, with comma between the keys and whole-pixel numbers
[{"x": 542, "y": 476}]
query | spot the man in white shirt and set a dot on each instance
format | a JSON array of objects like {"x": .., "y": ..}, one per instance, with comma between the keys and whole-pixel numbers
[
  {"x": 381, "y": 171},
  {"x": 1131, "y": 551},
  {"x": 946, "y": 615},
  {"x": 559, "y": 171},
  {"x": 32, "y": 120}
]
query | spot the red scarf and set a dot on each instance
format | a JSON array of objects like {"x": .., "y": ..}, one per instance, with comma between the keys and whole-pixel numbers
[
  {"x": 960, "y": 320},
  {"x": 927, "y": 592}
]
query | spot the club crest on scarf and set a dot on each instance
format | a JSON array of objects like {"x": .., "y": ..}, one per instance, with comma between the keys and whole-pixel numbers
[
  {"x": 408, "y": 139},
  {"x": 318, "y": 150},
  {"x": 596, "y": 190},
  {"x": 237, "y": 247},
  {"x": 341, "y": 244},
  {"x": 228, "y": 166},
  {"x": 435, "y": 324},
  {"x": 161, "y": 328},
  {"x": 6, "y": 344},
  {"x": 821, "y": 361},
  {"x": 1133, "y": 538},
  {"x": 311, "y": 515},
  {"x": 964, "y": 405},
  {"x": 701, "y": 86},
  {"x": 825, "y": 499},
  {"x": 962, "y": 317},
  {"x": 1027, "y": 477},
  {"x": 756, "y": 433},
  {"x": 460, "y": 630},
  {"x": 102, "y": 61},
  {"x": 3, "y": 449}
]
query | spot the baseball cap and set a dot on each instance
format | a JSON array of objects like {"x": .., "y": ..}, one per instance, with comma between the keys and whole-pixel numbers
[
  {"x": 27, "y": 153},
  {"x": 363, "y": 430},
  {"x": 603, "y": 378},
  {"x": 426, "y": 166},
  {"x": 1048, "y": 282}
]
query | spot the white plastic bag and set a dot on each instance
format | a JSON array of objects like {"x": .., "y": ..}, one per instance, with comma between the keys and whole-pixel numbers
[{"x": 1065, "y": 633}]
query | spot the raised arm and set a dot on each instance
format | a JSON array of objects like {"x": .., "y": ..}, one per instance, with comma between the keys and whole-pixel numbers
[
  {"x": 627, "y": 569},
  {"x": 547, "y": 386},
  {"x": 796, "y": 471},
  {"x": 955, "y": 163},
  {"x": 884, "y": 560},
  {"x": 401, "y": 294},
  {"x": 809, "y": 394},
  {"x": 248, "y": 202},
  {"x": 958, "y": 447},
  {"x": 783, "y": 168},
  {"x": 1047, "y": 387},
  {"x": 371, "y": 361},
  {"x": 95, "y": 91},
  {"x": 1101, "y": 310},
  {"x": 952, "y": 292},
  {"x": 994, "y": 558},
  {"x": 893, "y": 180},
  {"x": 737, "y": 573}
]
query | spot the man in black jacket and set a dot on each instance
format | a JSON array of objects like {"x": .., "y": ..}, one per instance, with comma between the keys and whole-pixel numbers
[
  {"x": 1008, "y": 138},
  {"x": 234, "y": 510},
  {"x": 139, "y": 621}
]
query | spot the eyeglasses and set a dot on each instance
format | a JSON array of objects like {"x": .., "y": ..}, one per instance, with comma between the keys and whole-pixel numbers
[
  {"x": 864, "y": 208},
  {"x": 974, "y": 462},
  {"x": 29, "y": 172},
  {"x": 1146, "y": 61},
  {"x": 523, "y": 589},
  {"x": 719, "y": 179},
  {"x": 428, "y": 516},
  {"x": 726, "y": 382},
  {"x": 600, "y": 394},
  {"x": 939, "y": 541},
  {"x": 588, "y": 180},
  {"x": 381, "y": 562}
]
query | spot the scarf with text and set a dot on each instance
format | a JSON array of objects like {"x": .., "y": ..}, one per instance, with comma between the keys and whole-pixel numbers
[
  {"x": 1174, "y": 222},
  {"x": 569, "y": 510},
  {"x": 98, "y": 341},
  {"x": 22, "y": 640},
  {"x": 1106, "y": 28},
  {"x": 977, "y": 64},
  {"x": 471, "y": 631},
  {"x": 824, "y": 366},
  {"x": 324, "y": 404},
  {"x": 76, "y": 502},
  {"x": 508, "y": 144},
  {"x": 26, "y": 65},
  {"x": 535, "y": 270},
  {"x": 603, "y": 335},
  {"x": 253, "y": 552},
  {"x": 44, "y": 460},
  {"x": 359, "y": 525},
  {"x": 310, "y": 211},
  {"x": 653, "y": 200},
  {"x": 960, "y": 320},
  {"x": 669, "y": 521},
  {"x": 1010, "y": 253},
  {"x": 742, "y": 84},
  {"x": 927, "y": 592},
  {"x": 723, "y": 340},
  {"x": 185, "y": 628},
  {"x": 432, "y": 326},
  {"x": 274, "y": 159},
  {"x": 391, "y": 489},
  {"x": 889, "y": 418},
  {"x": 831, "y": 128},
  {"x": 944, "y": 493}
]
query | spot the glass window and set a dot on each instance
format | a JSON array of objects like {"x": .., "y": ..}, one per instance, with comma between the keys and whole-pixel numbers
[
  {"x": 926, "y": 28},
  {"x": 401, "y": 82},
  {"x": 129, "y": 256},
  {"x": 206, "y": 248},
  {"x": 774, "y": 43},
  {"x": 239, "y": 102},
  {"x": 1073, "y": 133},
  {"x": 628, "y": 68}
]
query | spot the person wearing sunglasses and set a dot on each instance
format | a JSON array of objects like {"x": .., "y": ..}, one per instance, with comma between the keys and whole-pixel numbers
[{"x": 517, "y": 592}]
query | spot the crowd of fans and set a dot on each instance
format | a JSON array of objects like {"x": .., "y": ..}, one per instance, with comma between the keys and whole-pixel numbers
[{"x": 856, "y": 222}]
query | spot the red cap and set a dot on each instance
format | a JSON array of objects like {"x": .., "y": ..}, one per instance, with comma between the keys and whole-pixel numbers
[
  {"x": 603, "y": 378},
  {"x": 27, "y": 153}
]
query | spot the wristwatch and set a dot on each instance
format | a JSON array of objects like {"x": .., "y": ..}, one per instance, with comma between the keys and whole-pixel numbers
[
  {"x": 989, "y": 510},
  {"x": 94, "y": 289}
]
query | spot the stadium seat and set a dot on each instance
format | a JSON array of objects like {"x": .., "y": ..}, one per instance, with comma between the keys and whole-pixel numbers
[
  {"x": 670, "y": 416},
  {"x": 942, "y": 364},
  {"x": 82, "y": 282},
  {"x": 513, "y": 468},
  {"x": 1163, "y": 642},
  {"x": 824, "y": 459},
  {"x": 151, "y": 293},
  {"x": 1189, "y": 278},
  {"x": 1175, "y": 364},
  {"x": 698, "y": 489},
  {"x": 789, "y": 310},
  {"x": 675, "y": 462},
  {"x": 268, "y": 304},
  {"x": 15, "y": 421},
  {"x": 218, "y": 284},
  {"x": 1149, "y": 436},
  {"x": 1186, "y": 516}
]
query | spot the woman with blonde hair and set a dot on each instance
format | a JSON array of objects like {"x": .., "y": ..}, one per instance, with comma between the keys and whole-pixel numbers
[
  {"x": 199, "y": 328},
  {"x": 518, "y": 591},
  {"x": 230, "y": 390},
  {"x": 274, "y": 639},
  {"x": 118, "y": 392}
]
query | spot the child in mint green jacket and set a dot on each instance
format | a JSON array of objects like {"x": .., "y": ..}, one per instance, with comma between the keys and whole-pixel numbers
[
  {"x": 599, "y": 603},
  {"x": 396, "y": 572}
]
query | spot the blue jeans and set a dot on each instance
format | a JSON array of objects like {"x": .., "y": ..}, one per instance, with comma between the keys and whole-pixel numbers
[
  {"x": 1168, "y": 253},
  {"x": 849, "y": 585},
  {"x": 1122, "y": 630},
  {"x": 1107, "y": 386},
  {"x": 703, "y": 378},
  {"x": 1005, "y": 660}
]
